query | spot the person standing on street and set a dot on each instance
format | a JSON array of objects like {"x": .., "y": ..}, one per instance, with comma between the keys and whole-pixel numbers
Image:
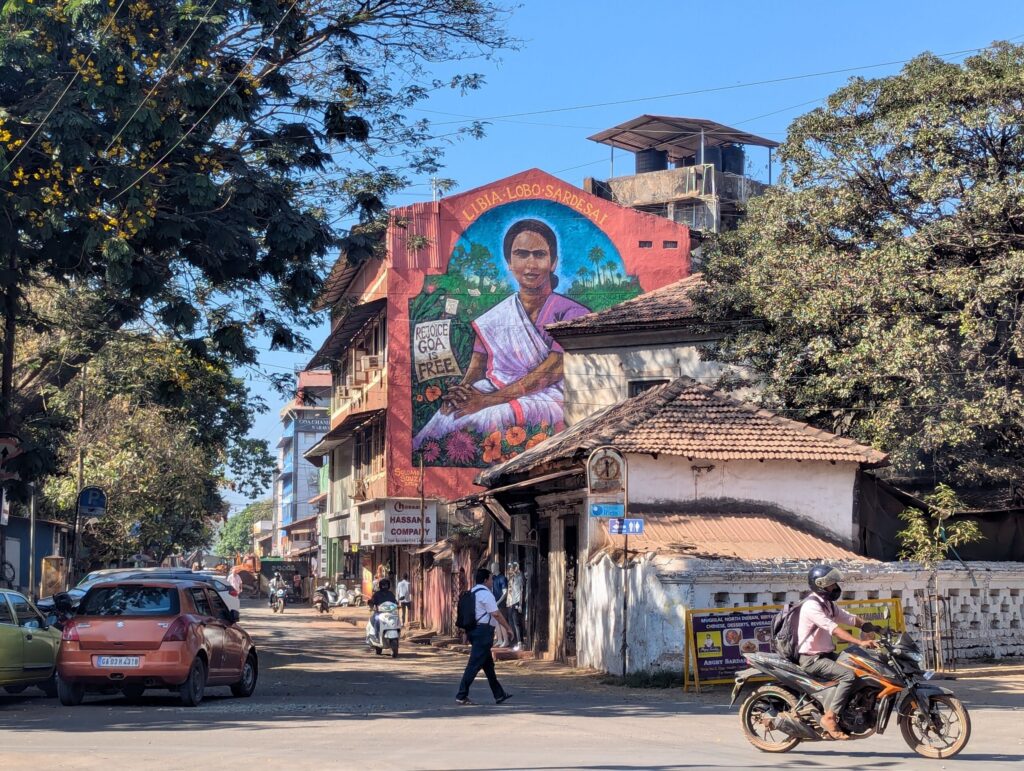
[
  {"x": 481, "y": 637},
  {"x": 404, "y": 597}
]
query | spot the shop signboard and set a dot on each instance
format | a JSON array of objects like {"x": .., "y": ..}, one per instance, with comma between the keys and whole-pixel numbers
[
  {"x": 397, "y": 522},
  {"x": 717, "y": 638},
  {"x": 319, "y": 424}
]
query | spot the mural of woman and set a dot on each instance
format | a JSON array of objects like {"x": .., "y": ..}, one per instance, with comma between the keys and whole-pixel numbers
[{"x": 515, "y": 375}]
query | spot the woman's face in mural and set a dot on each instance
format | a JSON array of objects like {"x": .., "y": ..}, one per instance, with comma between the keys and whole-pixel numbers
[{"x": 531, "y": 261}]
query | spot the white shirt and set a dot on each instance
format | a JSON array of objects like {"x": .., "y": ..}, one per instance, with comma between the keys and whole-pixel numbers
[
  {"x": 816, "y": 627},
  {"x": 403, "y": 590},
  {"x": 485, "y": 605}
]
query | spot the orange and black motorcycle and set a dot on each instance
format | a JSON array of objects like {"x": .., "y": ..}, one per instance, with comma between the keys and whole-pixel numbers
[{"x": 778, "y": 715}]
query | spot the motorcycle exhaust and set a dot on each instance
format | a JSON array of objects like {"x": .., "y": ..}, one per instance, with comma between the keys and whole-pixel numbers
[{"x": 791, "y": 725}]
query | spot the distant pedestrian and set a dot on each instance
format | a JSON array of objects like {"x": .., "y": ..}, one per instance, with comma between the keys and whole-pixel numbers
[
  {"x": 404, "y": 597},
  {"x": 481, "y": 637}
]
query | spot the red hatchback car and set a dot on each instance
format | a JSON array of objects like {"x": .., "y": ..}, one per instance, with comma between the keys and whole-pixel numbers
[{"x": 153, "y": 633}]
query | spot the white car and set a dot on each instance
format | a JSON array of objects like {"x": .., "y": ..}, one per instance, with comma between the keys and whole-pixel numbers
[{"x": 224, "y": 589}]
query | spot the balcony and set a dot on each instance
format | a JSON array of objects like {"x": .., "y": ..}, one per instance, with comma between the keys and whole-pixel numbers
[
  {"x": 676, "y": 185},
  {"x": 354, "y": 397}
]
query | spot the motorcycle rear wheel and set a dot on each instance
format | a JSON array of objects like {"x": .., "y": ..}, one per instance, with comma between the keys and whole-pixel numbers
[
  {"x": 758, "y": 704},
  {"x": 952, "y": 714}
]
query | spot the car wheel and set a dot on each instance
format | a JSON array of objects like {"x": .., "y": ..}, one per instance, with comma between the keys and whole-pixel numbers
[
  {"x": 70, "y": 694},
  {"x": 133, "y": 692},
  {"x": 15, "y": 689},
  {"x": 49, "y": 687},
  {"x": 191, "y": 691},
  {"x": 250, "y": 673}
]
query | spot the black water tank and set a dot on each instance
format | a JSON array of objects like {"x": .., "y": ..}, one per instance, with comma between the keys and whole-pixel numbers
[
  {"x": 712, "y": 155},
  {"x": 651, "y": 160},
  {"x": 689, "y": 160},
  {"x": 733, "y": 159}
]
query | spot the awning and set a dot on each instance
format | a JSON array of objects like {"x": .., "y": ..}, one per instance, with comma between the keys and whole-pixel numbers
[
  {"x": 318, "y": 498},
  {"x": 498, "y": 512},
  {"x": 342, "y": 334},
  {"x": 338, "y": 434},
  {"x": 309, "y": 523},
  {"x": 441, "y": 549},
  {"x": 680, "y": 137}
]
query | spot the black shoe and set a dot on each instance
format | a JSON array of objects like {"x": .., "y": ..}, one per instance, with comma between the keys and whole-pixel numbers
[
  {"x": 463, "y": 701},
  {"x": 503, "y": 699}
]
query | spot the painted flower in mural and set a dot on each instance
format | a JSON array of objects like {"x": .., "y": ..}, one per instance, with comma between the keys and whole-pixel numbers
[
  {"x": 515, "y": 435},
  {"x": 433, "y": 393},
  {"x": 535, "y": 440},
  {"x": 492, "y": 447},
  {"x": 460, "y": 447},
  {"x": 431, "y": 452}
]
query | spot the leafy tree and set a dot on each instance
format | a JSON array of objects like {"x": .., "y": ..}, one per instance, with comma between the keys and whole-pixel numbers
[
  {"x": 236, "y": 534},
  {"x": 878, "y": 288},
  {"x": 178, "y": 163}
]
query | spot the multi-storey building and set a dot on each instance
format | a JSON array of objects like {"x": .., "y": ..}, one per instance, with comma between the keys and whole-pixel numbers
[
  {"x": 440, "y": 359},
  {"x": 303, "y": 421}
]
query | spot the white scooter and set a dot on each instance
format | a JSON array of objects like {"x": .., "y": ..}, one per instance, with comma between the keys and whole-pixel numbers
[
  {"x": 390, "y": 629},
  {"x": 325, "y": 598},
  {"x": 277, "y": 605}
]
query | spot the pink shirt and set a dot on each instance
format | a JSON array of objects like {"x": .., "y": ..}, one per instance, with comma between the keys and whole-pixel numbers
[{"x": 815, "y": 627}]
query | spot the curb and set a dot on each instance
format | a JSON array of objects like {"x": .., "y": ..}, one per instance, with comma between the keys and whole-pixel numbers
[{"x": 971, "y": 674}]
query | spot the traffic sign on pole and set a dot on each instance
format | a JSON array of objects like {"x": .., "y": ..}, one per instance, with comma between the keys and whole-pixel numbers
[
  {"x": 625, "y": 526},
  {"x": 92, "y": 502}
]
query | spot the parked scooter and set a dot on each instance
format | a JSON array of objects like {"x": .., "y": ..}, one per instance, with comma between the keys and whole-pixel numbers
[
  {"x": 390, "y": 629},
  {"x": 277, "y": 606},
  {"x": 325, "y": 598}
]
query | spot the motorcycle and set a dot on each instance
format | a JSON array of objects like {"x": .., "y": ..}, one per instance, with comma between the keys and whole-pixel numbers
[
  {"x": 277, "y": 605},
  {"x": 325, "y": 598},
  {"x": 778, "y": 715},
  {"x": 390, "y": 629}
]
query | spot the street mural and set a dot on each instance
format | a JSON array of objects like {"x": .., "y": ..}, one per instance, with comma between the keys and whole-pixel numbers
[{"x": 486, "y": 375}]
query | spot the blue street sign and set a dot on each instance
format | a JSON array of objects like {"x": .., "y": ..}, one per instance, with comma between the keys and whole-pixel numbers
[
  {"x": 620, "y": 526},
  {"x": 92, "y": 502},
  {"x": 607, "y": 509}
]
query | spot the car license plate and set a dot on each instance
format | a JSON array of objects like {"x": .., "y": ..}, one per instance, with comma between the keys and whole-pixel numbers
[{"x": 117, "y": 662}]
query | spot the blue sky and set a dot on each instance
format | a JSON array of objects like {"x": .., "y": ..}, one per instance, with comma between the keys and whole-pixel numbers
[{"x": 577, "y": 53}]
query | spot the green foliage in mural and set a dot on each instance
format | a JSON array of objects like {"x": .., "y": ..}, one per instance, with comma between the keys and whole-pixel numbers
[{"x": 603, "y": 285}]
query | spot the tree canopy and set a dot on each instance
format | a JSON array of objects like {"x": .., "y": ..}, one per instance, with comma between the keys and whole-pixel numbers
[
  {"x": 878, "y": 290},
  {"x": 182, "y": 165},
  {"x": 236, "y": 535}
]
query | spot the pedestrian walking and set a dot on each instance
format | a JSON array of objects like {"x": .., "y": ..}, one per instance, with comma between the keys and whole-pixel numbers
[
  {"x": 481, "y": 637},
  {"x": 404, "y": 597}
]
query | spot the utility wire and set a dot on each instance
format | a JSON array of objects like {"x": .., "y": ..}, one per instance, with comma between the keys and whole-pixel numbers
[
  {"x": 166, "y": 72},
  {"x": 216, "y": 101},
  {"x": 67, "y": 88}
]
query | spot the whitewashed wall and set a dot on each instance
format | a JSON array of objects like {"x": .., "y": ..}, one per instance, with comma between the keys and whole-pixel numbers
[
  {"x": 816, "y": 491},
  {"x": 598, "y": 378},
  {"x": 986, "y": 603}
]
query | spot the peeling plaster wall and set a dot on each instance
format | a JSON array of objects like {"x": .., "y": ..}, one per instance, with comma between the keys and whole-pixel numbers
[
  {"x": 817, "y": 491},
  {"x": 986, "y": 603}
]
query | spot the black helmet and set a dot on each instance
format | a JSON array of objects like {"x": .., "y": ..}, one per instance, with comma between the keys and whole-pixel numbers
[
  {"x": 822, "y": 576},
  {"x": 385, "y": 584}
]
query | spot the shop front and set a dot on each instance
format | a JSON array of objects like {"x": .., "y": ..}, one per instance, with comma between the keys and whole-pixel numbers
[{"x": 391, "y": 530}]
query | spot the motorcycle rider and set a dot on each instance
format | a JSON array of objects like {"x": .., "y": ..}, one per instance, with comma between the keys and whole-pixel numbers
[
  {"x": 820, "y": 620},
  {"x": 382, "y": 595},
  {"x": 277, "y": 582}
]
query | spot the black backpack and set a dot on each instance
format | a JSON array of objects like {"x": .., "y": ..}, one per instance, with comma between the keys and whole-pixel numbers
[
  {"x": 465, "y": 612},
  {"x": 785, "y": 626}
]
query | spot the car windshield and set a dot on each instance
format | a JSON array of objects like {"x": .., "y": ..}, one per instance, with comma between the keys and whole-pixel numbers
[{"x": 130, "y": 600}]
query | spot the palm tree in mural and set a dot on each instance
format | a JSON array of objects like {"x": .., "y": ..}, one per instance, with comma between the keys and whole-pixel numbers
[
  {"x": 585, "y": 274},
  {"x": 612, "y": 269},
  {"x": 596, "y": 256}
]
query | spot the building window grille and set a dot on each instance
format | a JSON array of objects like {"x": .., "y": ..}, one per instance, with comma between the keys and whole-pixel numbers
[
  {"x": 637, "y": 387},
  {"x": 670, "y": 244},
  {"x": 646, "y": 244}
]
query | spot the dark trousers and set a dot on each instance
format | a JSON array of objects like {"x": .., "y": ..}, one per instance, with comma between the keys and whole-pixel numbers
[
  {"x": 515, "y": 620},
  {"x": 481, "y": 638},
  {"x": 824, "y": 667}
]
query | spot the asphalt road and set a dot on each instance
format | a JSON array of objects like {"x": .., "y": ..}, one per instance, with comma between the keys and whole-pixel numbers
[{"x": 325, "y": 702}]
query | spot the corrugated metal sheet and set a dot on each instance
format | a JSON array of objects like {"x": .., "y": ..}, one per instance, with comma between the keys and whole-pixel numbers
[{"x": 732, "y": 536}]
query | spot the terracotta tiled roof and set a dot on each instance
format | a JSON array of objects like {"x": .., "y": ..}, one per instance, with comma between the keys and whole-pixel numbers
[
  {"x": 713, "y": 535},
  {"x": 665, "y": 307},
  {"x": 688, "y": 419}
]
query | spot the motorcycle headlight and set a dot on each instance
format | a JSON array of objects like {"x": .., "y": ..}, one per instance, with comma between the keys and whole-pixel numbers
[{"x": 915, "y": 656}]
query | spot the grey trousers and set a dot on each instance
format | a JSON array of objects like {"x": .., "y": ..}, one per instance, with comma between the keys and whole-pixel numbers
[{"x": 824, "y": 667}]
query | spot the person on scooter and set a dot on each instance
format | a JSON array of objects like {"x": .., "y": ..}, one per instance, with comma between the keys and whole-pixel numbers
[
  {"x": 820, "y": 620},
  {"x": 382, "y": 595},
  {"x": 277, "y": 582}
]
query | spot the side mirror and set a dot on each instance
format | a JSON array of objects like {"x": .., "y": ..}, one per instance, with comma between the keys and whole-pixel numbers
[
  {"x": 234, "y": 616},
  {"x": 886, "y": 613}
]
